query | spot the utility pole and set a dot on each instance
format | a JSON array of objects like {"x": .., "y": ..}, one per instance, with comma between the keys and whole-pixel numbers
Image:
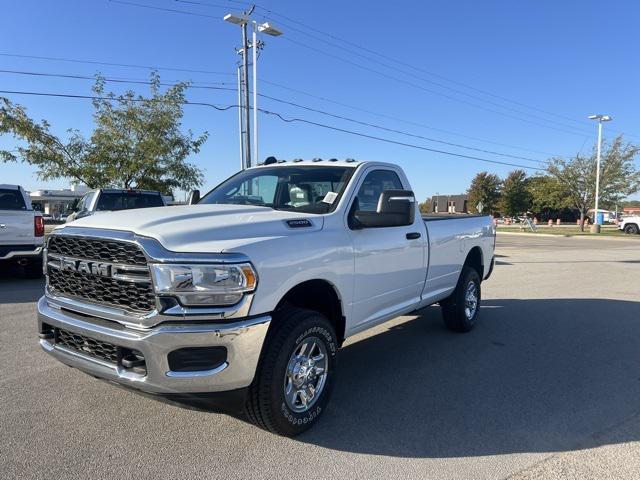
[{"x": 595, "y": 228}]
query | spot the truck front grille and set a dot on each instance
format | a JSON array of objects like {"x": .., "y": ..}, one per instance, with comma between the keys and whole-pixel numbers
[
  {"x": 124, "y": 282},
  {"x": 134, "y": 297},
  {"x": 97, "y": 249}
]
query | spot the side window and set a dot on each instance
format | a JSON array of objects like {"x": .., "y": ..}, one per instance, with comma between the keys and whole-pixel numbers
[{"x": 374, "y": 184}]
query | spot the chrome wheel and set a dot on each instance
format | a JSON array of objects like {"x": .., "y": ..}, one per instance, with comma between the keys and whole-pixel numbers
[
  {"x": 470, "y": 300},
  {"x": 306, "y": 375}
]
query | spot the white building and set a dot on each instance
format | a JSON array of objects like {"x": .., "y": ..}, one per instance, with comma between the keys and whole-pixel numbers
[{"x": 57, "y": 202}]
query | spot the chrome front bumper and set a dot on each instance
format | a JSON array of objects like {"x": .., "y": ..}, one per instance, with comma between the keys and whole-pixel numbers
[{"x": 243, "y": 340}]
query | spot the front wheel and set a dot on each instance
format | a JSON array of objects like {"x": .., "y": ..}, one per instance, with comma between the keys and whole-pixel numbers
[
  {"x": 296, "y": 373},
  {"x": 631, "y": 229},
  {"x": 460, "y": 310}
]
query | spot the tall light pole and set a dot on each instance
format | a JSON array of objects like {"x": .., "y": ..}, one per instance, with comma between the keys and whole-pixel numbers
[
  {"x": 244, "y": 105},
  {"x": 595, "y": 228}
]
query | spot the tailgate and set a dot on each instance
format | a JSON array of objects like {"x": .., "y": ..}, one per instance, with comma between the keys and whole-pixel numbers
[{"x": 16, "y": 227}]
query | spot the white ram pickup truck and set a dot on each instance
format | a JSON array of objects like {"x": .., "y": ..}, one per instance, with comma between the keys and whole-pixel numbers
[
  {"x": 244, "y": 298},
  {"x": 21, "y": 231},
  {"x": 630, "y": 225}
]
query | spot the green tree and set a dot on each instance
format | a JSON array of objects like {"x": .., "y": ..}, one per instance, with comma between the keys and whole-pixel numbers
[
  {"x": 425, "y": 207},
  {"x": 515, "y": 198},
  {"x": 486, "y": 188},
  {"x": 618, "y": 176},
  {"x": 137, "y": 142},
  {"x": 548, "y": 195}
]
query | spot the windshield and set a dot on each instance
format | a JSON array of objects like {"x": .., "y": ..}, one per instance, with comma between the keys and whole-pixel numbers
[
  {"x": 11, "y": 200},
  {"x": 307, "y": 189},
  {"x": 128, "y": 200}
]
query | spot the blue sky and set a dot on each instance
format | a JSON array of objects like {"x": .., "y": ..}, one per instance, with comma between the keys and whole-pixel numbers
[{"x": 556, "y": 63}]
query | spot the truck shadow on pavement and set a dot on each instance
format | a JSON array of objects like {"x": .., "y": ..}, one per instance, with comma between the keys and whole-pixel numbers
[
  {"x": 534, "y": 376},
  {"x": 14, "y": 288}
]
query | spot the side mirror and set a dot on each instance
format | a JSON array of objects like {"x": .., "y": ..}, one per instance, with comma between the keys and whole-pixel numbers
[
  {"x": 194, "y": 197},
  {"x": 396, "y": 208}
]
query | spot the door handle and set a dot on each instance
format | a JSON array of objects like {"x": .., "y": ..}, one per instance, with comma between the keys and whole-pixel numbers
[{"x": 413, "y": 235}]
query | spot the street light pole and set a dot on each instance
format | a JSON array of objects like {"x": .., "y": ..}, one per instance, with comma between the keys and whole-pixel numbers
[
  {"x": 595, "y": 228},
  {"x": 240, "y": 118},
  {"x": 247, "y": 105},
  {"x": 244, "y": 104},
  {"x": 254, "y": 48}
]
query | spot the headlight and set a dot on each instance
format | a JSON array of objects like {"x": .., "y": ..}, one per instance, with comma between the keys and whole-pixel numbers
[{"x": 204, "y": 284}]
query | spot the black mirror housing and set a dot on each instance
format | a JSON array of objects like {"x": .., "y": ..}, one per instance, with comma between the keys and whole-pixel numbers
[
  {"x": 396, "y": 208},
  {"x": 194, "y": 197}
]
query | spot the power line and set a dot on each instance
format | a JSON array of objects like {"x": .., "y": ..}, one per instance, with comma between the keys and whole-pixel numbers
[
  {"x": 582, "y": 133},
  {"x": 373, "y": 137},
  {"x": 111, "y": 64},
  {"x": 361, "y": 48},
  {"x": 403, "y": 120},
  {"x": 287, "y": 102},
  {"x": 285, "y": 87},
  {"x": 152, "y": 7},
  {"x": 284, "y": 119},
  {"x": 420, "y": 87},
  {"x": 391, "y": 130}
]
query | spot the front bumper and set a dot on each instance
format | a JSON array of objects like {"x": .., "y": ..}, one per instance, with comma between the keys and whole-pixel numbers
[{"x": 243, "y": 340}]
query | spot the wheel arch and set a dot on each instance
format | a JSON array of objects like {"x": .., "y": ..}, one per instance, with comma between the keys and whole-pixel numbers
[
  {"x": 475, "y": 260},
  {"x": 321, "y": 296}
]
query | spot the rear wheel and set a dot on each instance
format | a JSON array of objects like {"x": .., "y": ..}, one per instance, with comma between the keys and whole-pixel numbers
[
  {"x": 460, "y": 310},
  {"x": 632, "y": 228},
  {"x": 296, "y": 373}
]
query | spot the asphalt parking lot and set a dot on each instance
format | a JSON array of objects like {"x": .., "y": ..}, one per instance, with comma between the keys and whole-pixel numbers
[{"x": 547, "y": 386}]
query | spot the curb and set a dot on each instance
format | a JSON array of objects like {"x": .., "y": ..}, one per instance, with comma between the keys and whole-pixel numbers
[{"x": 552, "y": 235}]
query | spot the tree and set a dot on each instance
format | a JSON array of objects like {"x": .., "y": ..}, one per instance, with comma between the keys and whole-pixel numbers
[
  {"x": 426, "y": 206},
  {"x": 516, "y": 197},
  {"x": 485, "y": 187},
  {"x": 136, "y": 142},
  {"x": 618, "y": 176},
  {"x": 548, "y": 195}
]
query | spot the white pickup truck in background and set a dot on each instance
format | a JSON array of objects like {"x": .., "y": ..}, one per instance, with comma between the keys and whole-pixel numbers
[
  {"x": 21, "y": 231},
  {"x": 630, "y": 225},
  {"x": 103, "y": 200},
  {"x": 248, "y": 294}
]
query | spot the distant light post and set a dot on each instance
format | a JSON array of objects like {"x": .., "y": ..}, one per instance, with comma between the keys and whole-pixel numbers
[
  {"x": 244, "y": 106},
  {"x": 595, "y": 228}
]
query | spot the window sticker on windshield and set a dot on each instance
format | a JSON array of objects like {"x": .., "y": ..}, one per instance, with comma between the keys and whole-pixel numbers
[{"x": 330, "y": 197}]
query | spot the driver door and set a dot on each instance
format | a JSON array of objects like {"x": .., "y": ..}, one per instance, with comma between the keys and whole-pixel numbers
[{"x": 389, "y": 264}]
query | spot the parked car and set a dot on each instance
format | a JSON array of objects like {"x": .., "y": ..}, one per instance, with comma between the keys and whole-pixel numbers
[
  {"x": 109, "y": 200},
  {"x": 245, "y": 297},
  {"x": 630, "y": 225},
  {"x": 21, "y": 231}
]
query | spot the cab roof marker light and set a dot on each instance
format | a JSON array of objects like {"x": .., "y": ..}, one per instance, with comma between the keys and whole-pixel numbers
[
  {"x": 333, "y": 159},
  {"x": 350, "y": 160},
  {"x": 316, "y": 159},
  {"x": 297, "y": 160}
]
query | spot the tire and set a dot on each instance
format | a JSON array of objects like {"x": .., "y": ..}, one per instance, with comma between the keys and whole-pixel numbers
[
  {"x": 459, "y": 314},
  {"x": 631, "y": 229},
  {"x": 279, "y": 371},
  {"x": 33, "y": 269}
]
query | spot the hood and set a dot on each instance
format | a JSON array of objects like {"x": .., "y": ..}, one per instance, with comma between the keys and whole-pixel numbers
[{"x": 203, "y": 228}]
